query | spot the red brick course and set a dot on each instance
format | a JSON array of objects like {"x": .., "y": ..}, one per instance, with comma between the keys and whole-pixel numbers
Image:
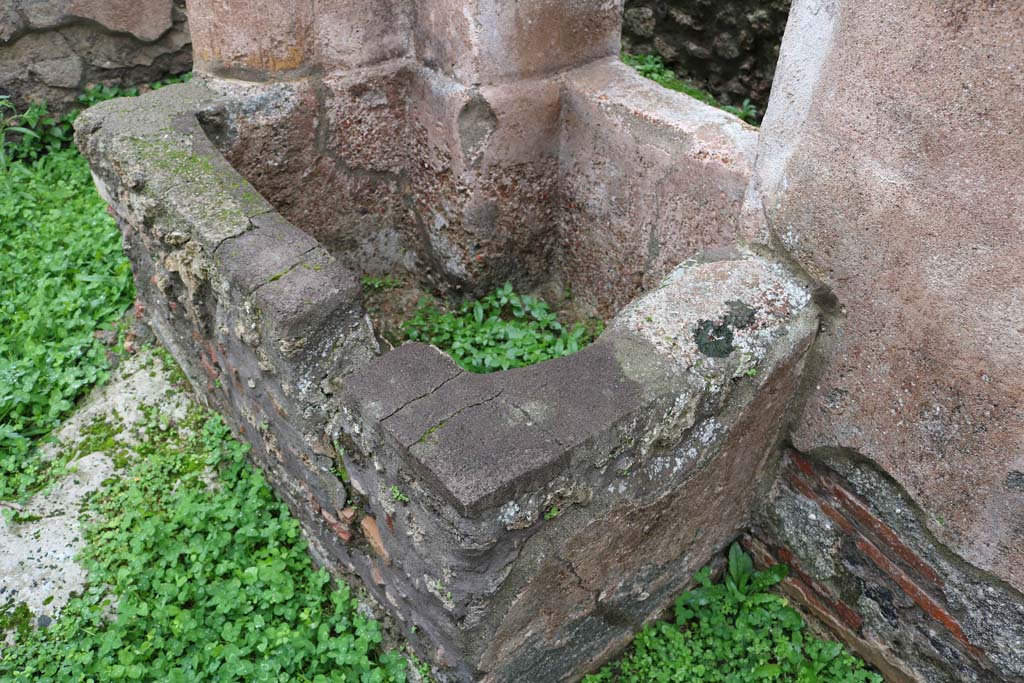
[{"x": 873, "y": 539}]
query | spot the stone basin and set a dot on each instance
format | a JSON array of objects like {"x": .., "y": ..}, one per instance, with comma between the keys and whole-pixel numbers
[{"x": 519, "y": 526}]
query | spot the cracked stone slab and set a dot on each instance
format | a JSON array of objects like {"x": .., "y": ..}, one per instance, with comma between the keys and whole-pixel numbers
[
  {"x": 38, "y": 557},
  {"x": 651, "y": 355},
  {"x": 522, "y": 484}
]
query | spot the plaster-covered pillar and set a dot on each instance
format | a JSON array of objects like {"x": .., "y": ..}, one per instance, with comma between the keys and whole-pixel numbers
[
  {"x": 251, "y": 39},
  {"x": 889, "y": 170},
  {"x": 488, "y": 41}
]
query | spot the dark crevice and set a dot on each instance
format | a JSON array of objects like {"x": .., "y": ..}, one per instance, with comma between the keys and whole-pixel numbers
[
  {"x": 428, "y": 393},
  {"x": 454, "y": 415},
  {"x": 828, "y": 455}
]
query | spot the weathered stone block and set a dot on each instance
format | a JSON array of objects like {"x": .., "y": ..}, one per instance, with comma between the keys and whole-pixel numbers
[
  {"x": 490, "y": 41},
  {"x": 509, "y": 485},
  {"x": 354, "y": 33},
  {"x": 655, "y": 173},
  {"x": 469, "y": 142},
  {"x": 266, "y": 253},
  {"x": 516, "y": 479},
  {"x": 258, "y": 314},
  {"x": 49, "y": 51},
  {"x": 144, "y": 19},
  {"x": 252, "y": 40}
]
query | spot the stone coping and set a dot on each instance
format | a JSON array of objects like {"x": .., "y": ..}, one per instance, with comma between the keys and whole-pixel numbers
[
  {"x": 483, "y": 440},
  {"x": 180, "y": 182}
]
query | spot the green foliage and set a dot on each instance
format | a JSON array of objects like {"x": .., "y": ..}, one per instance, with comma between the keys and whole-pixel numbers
[
  {"x": 653, "y": 68},
  {"x": 37, "y": 132},
  {"x": 210, "y": 579},
  {"x": 16, "y": 618},
  {"x": 171, "y": 80},
  {"x": 500, "y": 331},
  {"x": 62, "y": 276},
  {"x": 12, "y": 122},
  {"x": 398, "y": 496},
  {"x": 552, "y": 512},
  {"x": 380, "y": 283},
  {"x": 734, "y": 632}
]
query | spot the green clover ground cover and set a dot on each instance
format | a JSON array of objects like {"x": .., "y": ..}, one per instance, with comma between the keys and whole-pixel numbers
[
  {"x": 63, "y": 275},
  {"x": 734, "y": 632},
  {"x": 500, "y": 331},
  {"x": 212, "y": 578}
]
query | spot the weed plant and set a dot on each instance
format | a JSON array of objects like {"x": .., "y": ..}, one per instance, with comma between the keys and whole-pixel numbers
[
  {"x": 208, "y": 579},
  {"x": 36, "y": 132},
  {"x": 653, "y": 68},
  {"x": 63, "y": 275},
  {"x": 734, "y": 632},
  {"x": 500, "y": 331}
]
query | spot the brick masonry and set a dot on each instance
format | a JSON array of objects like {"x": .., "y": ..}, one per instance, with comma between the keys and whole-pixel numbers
[
  {"x": 673, "y": 445},
  {"x": 861, "y": 566}
]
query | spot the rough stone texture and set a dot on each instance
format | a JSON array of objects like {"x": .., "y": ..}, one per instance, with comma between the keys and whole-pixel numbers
[
  {"x": 676, "y": 193},
  {"x": 52, "y": 50},
  {"x": 259, "y": 40},
  {"x": 905, "y": 213},
  {"x": 351, "y": 33},
  {"x": 258, "y": 313},
  {"x": 494, "y": 183},
  {"x": 250, "y": 38},
  {"x": 484, "y": 176},
  {"x": 516, "y": 486},
  {"x": 726, "y": 48},
  {"x": 465, "y": 200},
  {"x": 432, "y": 165},
  {"x": 489, "y": 41},
  {"x": 520, "y": 488},
  {"x": 863, "y": 562}
]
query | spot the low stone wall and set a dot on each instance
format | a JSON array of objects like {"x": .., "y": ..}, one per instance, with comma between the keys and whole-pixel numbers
[
  {"x": 470, "y": 499},
  {"x": 520, "y": 489},
  {"x": 726, "y": 48},
  {"x": 50, "y": 51}
]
